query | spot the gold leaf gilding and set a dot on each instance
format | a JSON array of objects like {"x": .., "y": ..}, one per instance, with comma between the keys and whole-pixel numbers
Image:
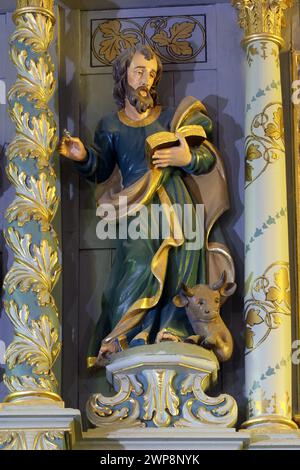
[
  {"x": 35, "y": 199},
  {"x": 36, "y": 266},
  {"x": 35, "y": 31},
  {"x": 38, "y": 272},
  {"x": 36, "y": 137},
  {"x": 36, "y": 342},
  {"x": 35, "y": 79}
]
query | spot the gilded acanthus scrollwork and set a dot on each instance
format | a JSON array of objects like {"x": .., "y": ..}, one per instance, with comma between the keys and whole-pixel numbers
[
  {"x": 35, "y": 78},
  {"x": 258, "y": 17},
  {"x": 49, "y": 440},
  {"x": 35, "y": 267},
  {"x": 221, "y": 410},
  {"x": 36, "y": 341},
  {"x": 23, "y": 383},
  {"x": 34, "y": 30},
  {"x": 121, "y": 410},
  {"x": 36, "y": 136},
  {"x": 29, "y": 283},
  {"x": 32, "y": 440},
  {"x": 160, "y": 399},
  {"x": 35, "y": 199},
  {"x": 13, "y": 440}
]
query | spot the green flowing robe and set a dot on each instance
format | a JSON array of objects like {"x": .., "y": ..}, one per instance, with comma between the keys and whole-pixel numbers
[{"x": 131, "y": 278}]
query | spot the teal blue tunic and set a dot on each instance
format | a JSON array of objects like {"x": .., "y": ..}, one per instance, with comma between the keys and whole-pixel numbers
[{"x": 131, "y": 277}]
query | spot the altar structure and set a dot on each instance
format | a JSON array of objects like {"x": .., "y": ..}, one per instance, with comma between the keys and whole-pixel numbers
[{"x": 171, "y": 391}]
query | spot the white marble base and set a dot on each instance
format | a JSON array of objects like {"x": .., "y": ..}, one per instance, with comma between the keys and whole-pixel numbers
[
  {"x": 50, "y": 426},
  {"x": 283, "y": 440},
  {"x": 164, "y": 439},
  {"x": 37, "y": 426}
]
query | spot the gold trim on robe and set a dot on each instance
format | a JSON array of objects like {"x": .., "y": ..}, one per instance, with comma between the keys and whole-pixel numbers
[
  {"x": 152, "y": 116},
  {"x": 136, "y": 312},
  {"x": 140, "y": 193}
]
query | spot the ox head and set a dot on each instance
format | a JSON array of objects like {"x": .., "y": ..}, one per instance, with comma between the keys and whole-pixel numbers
[{"x": 206, "y": 299}]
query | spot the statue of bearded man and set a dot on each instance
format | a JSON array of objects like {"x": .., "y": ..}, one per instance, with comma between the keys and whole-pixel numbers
[{"x": 137, "y": 306}]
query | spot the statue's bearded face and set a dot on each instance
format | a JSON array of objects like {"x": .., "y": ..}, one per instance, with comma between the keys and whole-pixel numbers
[{"x": 140, "y": 77}]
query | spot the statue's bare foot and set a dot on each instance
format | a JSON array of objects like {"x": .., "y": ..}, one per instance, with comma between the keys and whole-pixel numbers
[
  {"x": 105, "y": 352},
  {"x": 164, "y": 335},
  {"x": 194, "y": 339}
]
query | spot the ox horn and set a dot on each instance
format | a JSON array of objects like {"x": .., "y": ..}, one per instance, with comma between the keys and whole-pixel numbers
[
  {"x": 220, "y": 282},
  {"x": 188, "y": 292},
  {"x": 228, "y": 289}
]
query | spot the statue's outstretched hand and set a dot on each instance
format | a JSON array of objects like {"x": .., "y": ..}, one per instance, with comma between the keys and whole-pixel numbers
[
  {"x": 72, "y": 148},
  {"x": 173, "y": 156}
]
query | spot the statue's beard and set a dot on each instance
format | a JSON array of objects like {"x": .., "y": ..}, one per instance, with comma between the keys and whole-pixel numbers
[{"x": 141, "y": 102}]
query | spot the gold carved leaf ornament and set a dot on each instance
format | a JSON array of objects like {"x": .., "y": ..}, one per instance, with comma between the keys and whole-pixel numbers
[
  {"x": 35, "y": 79},
  {"x": 38, "y": 271},
  {"x": 35, "y": 199},
  {"x": 48, "y": 440},
  {"x": 116, "y": 41},
  {"x": 173, "y": 40},
  {"x": 26, "y": 382},
  {"x": 35, "y": 31},
  {"x": 36, "y": 137},
  {"x": 13, "y": 440},
  {"x": 36, "y": 342}
]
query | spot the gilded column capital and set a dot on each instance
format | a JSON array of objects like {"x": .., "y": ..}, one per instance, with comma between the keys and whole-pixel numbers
[
  {"x": 44, "y": 7},
  {"x": 262, "y": 19}
]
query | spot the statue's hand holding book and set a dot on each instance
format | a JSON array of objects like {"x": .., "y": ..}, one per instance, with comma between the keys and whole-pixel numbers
[{"x": 173, "y": 148}]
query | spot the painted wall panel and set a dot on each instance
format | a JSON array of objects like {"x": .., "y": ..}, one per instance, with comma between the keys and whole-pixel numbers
[
  {"x": 94, "y": 265},
  {"x": 191, "y": 44},
  {"x": 230, "y": 118}
]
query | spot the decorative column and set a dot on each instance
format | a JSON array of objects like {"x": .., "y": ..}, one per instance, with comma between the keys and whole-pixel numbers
[
  {"x": 33, "y": 414},
  {"x": 267, "y": 275},
  {"x": 30, "y": 235}
]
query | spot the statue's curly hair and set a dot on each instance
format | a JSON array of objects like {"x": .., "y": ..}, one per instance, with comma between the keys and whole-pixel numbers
[{"x": 120, "y": 67}]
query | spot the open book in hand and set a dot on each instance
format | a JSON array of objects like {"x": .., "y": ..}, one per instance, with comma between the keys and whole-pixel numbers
[{"x": 193, "y": 134}]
